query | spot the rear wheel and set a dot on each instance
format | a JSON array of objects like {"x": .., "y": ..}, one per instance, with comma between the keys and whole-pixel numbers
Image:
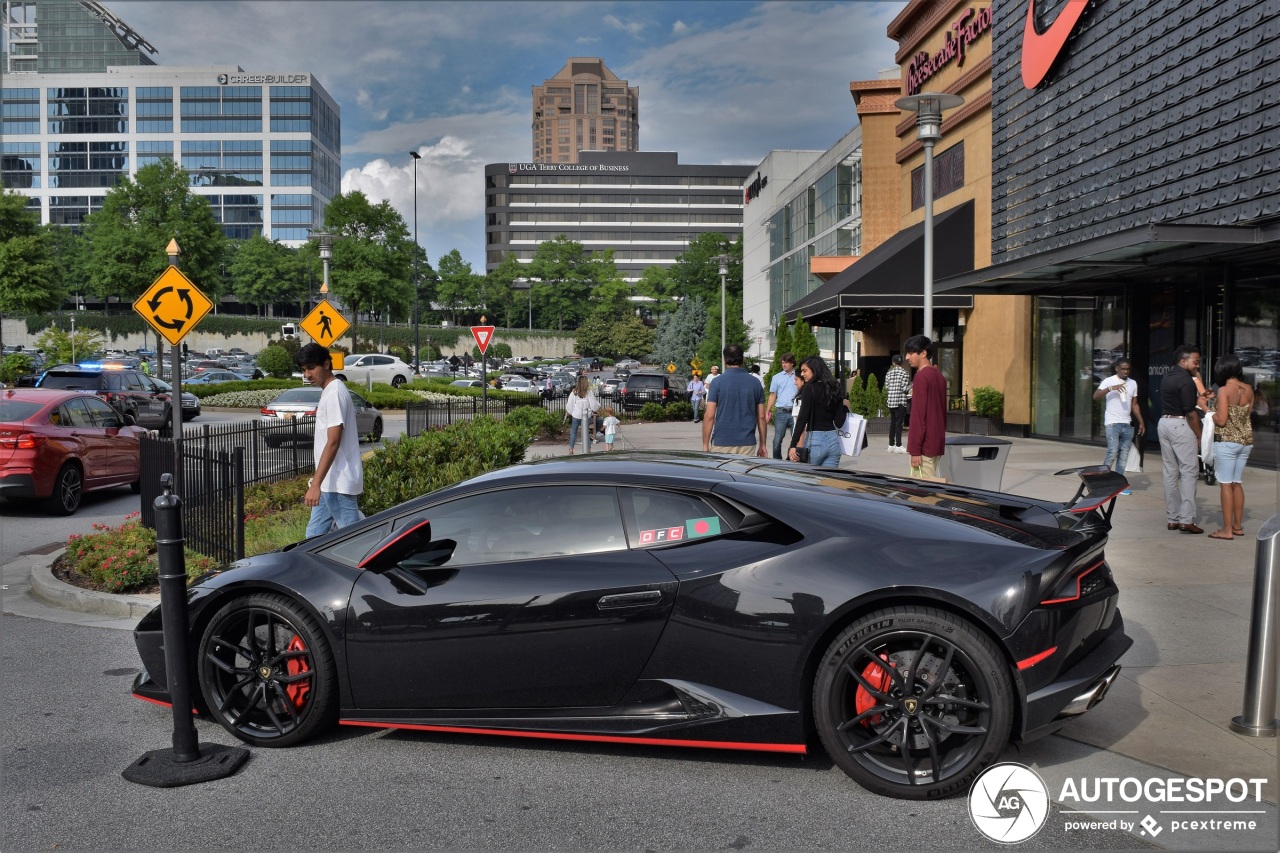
[
  {"x": 913, "y": 702},
  {"x": 68, "y": 489},
  {"x": 397, "y": 381},
  {"x": 376, "y": 434},
  {"x": 266, "y": 671}
]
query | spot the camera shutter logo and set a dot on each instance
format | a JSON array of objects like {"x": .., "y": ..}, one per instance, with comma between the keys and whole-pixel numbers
[
  {"x": 1009, "y": 803},
  {"x": 222, "y": 79}
]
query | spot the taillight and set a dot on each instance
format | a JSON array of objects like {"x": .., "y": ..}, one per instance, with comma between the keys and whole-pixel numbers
[
  {"x": 265, "y": 411},
  {"x": 24, "y": 441},
  {"x": 1080, "y": 585},
  {"x": 309, "y": 414}
]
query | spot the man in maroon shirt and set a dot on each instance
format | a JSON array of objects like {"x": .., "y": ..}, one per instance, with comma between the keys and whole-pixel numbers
[{"x": 927, "y": 430}]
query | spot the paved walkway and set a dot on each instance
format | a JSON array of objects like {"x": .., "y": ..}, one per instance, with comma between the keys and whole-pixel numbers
[{"x": 1186, "y": 600}]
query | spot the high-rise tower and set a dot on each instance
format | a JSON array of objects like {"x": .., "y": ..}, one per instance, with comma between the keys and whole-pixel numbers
[{"x": 585, "y": 107}]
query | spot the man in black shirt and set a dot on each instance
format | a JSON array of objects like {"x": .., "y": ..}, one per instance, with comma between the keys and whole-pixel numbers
[{"x": 1179, "y": 432}]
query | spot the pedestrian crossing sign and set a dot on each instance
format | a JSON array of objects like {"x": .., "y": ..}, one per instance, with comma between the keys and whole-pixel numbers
[{"x": 324, "y": 324}]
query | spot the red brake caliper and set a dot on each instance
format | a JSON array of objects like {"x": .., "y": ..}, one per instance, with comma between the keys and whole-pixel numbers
[
  {"x": 878, "y": 677},
  {"x": 297, "y": 692}
]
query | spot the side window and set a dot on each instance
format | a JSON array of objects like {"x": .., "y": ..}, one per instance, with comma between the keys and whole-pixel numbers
[
  {"x": 658, "y": 517},
  {"x": 133, "y": 382},
  {"x": 380, "y": 360},
  {"x": 74, "y": 414},
  {"x": 113, "y": 382},
  {"x": 103, "y": 415}
]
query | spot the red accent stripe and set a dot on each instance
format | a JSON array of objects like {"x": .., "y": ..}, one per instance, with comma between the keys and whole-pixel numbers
[
  {"x": 158, "y": 702},
  {"x": 1079, "y": 578},
  {"x": 797, "y": 748},
  {"x": 1027, "y": 663}
]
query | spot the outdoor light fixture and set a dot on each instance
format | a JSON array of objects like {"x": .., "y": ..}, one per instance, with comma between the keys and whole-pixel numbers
[
  {"x": 325, "y": 241},
  {"x": 723, "y": 261},
  {"x": 417, "y": 355},
  {"x": 928, "y": 107}
]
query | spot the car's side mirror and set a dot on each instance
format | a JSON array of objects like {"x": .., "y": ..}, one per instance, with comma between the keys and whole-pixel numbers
[{"x": 413, "y": 536}]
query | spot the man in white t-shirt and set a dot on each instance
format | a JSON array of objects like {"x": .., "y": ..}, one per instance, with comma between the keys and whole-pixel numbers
[
  {"x": 333, "y": 492},
  {"x": 1122, "y": 409}
]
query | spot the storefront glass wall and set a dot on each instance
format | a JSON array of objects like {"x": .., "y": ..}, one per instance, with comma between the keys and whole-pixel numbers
[{"x": 1077, "y": 339}]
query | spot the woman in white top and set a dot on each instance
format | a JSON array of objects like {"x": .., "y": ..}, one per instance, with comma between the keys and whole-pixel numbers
[{"x": 581, "y": 405}]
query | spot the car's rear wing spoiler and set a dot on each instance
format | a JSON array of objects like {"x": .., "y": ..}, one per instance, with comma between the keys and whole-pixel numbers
[{"x": 1099, "y": 486}]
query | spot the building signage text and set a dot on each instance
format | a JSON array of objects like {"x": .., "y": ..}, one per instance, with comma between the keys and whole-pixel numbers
[
  {"x": 513, "y": 168},
  {"x": 269, "y": 79},
  {"x": 964, "y": 32},
  {"x": 755, "y": 188}
]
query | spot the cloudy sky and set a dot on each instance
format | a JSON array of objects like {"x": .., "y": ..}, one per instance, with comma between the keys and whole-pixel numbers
[{"x": 724, "y": 81}]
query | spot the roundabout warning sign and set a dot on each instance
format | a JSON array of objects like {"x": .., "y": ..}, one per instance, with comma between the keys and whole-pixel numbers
[{"x": 172, "y": 305}]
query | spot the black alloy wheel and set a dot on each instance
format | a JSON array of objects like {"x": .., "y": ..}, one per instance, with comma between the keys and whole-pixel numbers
[
  {"x": 913, "y": 702},
  {"x": 68, "y": 489},
  {"x": 397, "y": 381},
  {"x": 376, "y": 434},
  {"x": 266, "y": 671}
]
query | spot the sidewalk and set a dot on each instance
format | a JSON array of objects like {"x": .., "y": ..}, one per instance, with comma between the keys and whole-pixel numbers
[{"x": 1186, "y": 600}]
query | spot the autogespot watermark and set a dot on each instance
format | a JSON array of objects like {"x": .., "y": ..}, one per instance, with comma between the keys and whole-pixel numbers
[{"x": 1009, "y": 803}]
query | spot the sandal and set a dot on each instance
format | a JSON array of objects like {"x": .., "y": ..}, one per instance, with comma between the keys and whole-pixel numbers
[
  {"x": 1219, "y": 534},
  {"x": 1237, "y": 531}
]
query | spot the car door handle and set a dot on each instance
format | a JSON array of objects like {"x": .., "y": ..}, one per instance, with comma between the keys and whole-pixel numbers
[{"x": 630, "y": 599}]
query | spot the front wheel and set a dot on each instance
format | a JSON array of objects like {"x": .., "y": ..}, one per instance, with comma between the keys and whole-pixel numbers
[
  {"x": 913, "y": 702},
  {"x": 266, "y": 671}
]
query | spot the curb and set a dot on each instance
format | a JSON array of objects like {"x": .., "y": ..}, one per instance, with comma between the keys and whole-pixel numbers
[{"x": 51, "y": 590}]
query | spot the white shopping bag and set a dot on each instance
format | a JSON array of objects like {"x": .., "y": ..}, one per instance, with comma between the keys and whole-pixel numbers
[
  {"x": 852, "y": 434},
  {"x": 1133, "y": 464}
]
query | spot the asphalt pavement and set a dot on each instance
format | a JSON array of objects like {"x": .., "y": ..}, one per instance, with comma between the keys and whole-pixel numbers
[{"x": 1186, "y": 601}]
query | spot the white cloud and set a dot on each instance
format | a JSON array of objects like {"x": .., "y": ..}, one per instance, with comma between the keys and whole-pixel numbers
[
  {"x": 679, "y": 28},
  {"x": 633, "y": 28}
]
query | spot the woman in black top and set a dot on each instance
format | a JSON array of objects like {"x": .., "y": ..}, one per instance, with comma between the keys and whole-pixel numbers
[{"x": 822, "y": 410}]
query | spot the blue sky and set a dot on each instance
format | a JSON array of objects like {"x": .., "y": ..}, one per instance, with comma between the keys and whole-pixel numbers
[{"x": 720, "y": 82}]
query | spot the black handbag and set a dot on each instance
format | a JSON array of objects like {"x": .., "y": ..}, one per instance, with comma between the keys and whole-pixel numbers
[{"x": 802, "y": 454}]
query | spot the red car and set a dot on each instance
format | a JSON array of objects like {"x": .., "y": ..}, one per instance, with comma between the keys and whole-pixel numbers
[{"x": 58, "y": 445}]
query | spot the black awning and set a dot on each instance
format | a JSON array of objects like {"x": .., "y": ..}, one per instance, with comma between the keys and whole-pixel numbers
[
  {"x": 892, "y": 274},
  {"x": 1128, "y": 256}
]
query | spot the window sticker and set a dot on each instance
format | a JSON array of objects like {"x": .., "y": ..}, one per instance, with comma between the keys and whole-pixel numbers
[
  {"x": 661, "y": 534},
  {"x": 709, "y": 526}
]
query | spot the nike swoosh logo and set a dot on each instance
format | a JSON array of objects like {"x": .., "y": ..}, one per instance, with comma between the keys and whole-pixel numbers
[{"x": 1041, "y": 50}]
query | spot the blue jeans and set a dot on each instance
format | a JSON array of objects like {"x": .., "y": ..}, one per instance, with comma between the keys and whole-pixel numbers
[
  {"x": 334, "y": 510},
  {"x": 781, "y": 423},
  {"x": 573, "y": 433},
  {"x": 1119, "y": 440},
  {"x": 697, "y": 408},
  {"x": 824, "y": 448},
  {"x": 1229, "y": 459}
]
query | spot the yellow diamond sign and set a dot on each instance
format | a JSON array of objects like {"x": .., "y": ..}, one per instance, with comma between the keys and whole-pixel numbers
[
  {"x": 324, "y": 324},
  {"x": 172, "y": 305}
]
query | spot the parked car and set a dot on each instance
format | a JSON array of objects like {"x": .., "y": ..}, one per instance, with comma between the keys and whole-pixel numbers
[
  {"x": 57, "y": 445},
  {"x": 653, "y": 387},
  {"x": 912, "y": 629},
  {"x": 522, "y": 385},
  {"x": 387, "y": 369},
  {"x": 466, "y": 383},
  {"x": 609, "y": 387},
  {"x": 190, "y": 402},
  {"x": 301, "y": 403},
  {"x": 130, "y": 391},
  {"x": 627, "y": 364},
  {"x": 213, "y": 377}
]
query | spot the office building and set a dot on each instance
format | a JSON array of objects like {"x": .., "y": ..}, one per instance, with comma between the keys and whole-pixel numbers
[
  {"x": 647, "y": 207},
  {"x": 83, "y": 104},
  {"x": 585, "y": 107}
]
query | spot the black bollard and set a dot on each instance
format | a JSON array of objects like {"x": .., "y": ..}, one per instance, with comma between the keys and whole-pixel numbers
[{"x": 186, "y": 763}]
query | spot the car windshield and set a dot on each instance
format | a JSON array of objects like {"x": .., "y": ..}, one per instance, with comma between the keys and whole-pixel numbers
[
  {"x": 299, "y": 395},
  {"x": 68, "y": 381},
  {"x": 18, "y": 410}
]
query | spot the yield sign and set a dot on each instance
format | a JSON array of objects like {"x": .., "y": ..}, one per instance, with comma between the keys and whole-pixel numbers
[
  {"x": 483, "y": 336},
  {"x": 172, "y": 305},
  {"x": 324, "y": 324}
]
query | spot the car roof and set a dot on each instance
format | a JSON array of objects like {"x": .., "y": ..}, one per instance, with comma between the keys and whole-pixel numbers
[{"x": 38, "y": 395}]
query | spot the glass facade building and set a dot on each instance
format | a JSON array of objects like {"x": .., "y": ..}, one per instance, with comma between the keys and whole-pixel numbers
[
  {"x": 82, "y": 105},
  {"x": 646, "y": 207}
]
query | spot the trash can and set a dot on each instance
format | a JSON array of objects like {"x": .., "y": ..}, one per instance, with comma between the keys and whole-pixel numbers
[{"x": 975, "y": 460}]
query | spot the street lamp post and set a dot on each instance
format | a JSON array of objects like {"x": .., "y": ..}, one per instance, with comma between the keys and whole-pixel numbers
[
  {"x": 417, "y": 346},
  {"x": 723, "y": 261},
  {"x": 325, "y": 241},
  {"x": 928, "y": 107}
]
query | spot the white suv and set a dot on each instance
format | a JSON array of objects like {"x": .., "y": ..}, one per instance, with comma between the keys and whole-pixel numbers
[{"x": 382, "y": 368}]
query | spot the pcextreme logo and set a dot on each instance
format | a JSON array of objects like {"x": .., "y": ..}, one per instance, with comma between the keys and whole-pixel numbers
[{"x": 1041, "y": 49}]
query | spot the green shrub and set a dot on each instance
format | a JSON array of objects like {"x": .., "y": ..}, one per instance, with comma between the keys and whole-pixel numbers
[
  {"x": 540, "y": 422},
  {"x": 653, "y": 412},
  {"x": 874, "y": 398},
  {"x": 988, "y": 402},
  {"x": 123, "y": 559},
  {"x": 15, "y": 365},
  {"x": 679, "y": 412},
  {"x": 415, "y": 466},
  {"x": 276, "y": 361},
  {"x": 203, "y": 391}
]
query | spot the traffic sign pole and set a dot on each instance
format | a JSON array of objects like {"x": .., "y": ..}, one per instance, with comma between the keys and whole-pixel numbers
[
  {"x": 175, "y": 382},
  {"x": 483, "y": 336}
]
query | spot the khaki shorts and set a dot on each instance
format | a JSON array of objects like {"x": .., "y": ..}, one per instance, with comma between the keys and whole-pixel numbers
[
  {"x": 928, "y": 467},
  {"x": 738, "y": 450}
]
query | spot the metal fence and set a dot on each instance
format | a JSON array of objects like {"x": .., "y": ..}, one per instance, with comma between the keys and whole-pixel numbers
[{"x": 217, "y": 462}]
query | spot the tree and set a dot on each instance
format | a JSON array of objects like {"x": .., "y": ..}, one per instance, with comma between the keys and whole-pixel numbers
[
  {"x": 501, "y": 292},
  {"x": 631, "y": 337},
  {"x": 139, "y": 216},
  {"x": 781, "y": 346},
  {"x": 457, "y": 285},
  {"x": 679, "y": 333},
  {"x": 735, "y": 332},
  {"x": 372, "y": 266},
  {"x": 29, "y": 280},
  {"x": 803, "y": 342},
  {"x": 264, "y": 272},
  {"x": 563, "y": 280},
  {"x": 61, "y": 347},
  {"x": 657, "y": 284}
]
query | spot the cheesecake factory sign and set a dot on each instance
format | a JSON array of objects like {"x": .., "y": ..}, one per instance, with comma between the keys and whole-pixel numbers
[{"x": 964, "y": 32}]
